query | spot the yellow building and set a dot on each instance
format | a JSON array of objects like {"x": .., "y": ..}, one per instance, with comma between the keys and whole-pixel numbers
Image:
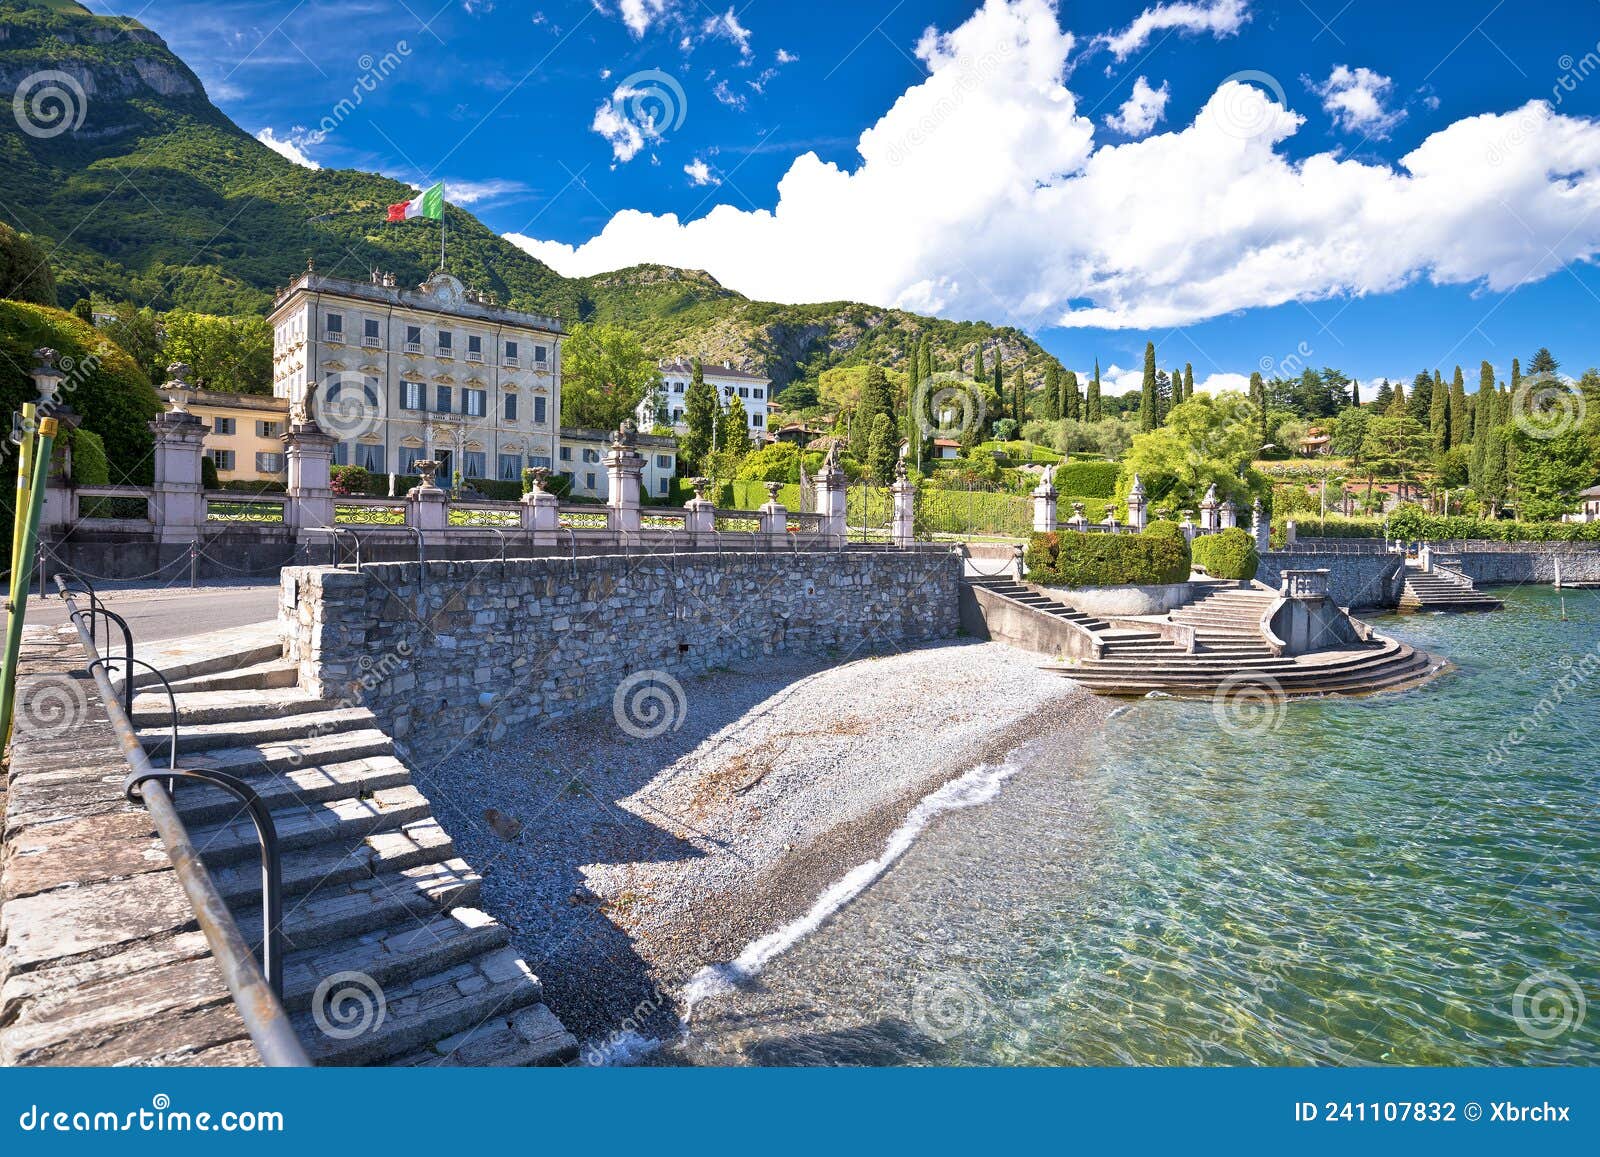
[{"x": 245, "y": 435}]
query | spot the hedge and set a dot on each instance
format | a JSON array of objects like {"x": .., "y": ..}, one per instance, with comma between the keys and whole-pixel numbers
[
  {"x": 1086, "y": 479},
  {"x": 1085, "y": 559},
  {"x": 90, "y": 467},
  {"x": 1338, "y": 527},
  {"x": 1228, "y": 554},
  {"x": 1412, "y": 522}
]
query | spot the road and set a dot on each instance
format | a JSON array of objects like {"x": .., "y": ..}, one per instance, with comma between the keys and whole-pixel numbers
[{"x": 171, "y": 613}]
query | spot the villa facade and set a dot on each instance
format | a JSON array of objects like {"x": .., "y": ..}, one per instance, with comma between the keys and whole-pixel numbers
[{"x": 752, "y": 390}]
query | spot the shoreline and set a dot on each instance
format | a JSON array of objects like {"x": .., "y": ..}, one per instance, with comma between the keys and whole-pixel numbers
[{"x": 640, "y": 862}]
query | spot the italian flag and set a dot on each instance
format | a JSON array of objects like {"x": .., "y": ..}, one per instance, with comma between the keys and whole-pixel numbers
[{"x": 429, "y": 203}]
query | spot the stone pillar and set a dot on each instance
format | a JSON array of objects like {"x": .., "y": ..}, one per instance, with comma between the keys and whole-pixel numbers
[
  {"x": 774, "y": 517},
  {"x": 177, "y": 500},
  {"x": 1136, "y": 505},
  {"x": 427, "y": 506},
  {"x": 1228, "y": 515},
  {"x": 1208, "y": 509},
  {"x": 541, "y": 513},
  {"x": 624, "y": 468},
  {"x": 1187, "y": 525},
  {"x": 308, "y": 453},
  {"x": 1289, "y": 533},
  {"x": 905, "y": 506},
  {"x": 1111, "y": 524},
  {"x": 1079, "y": 520},
  {"x": 56, "y": 513},
  {"x": 700, "y": 513},
  {"x": 1044, "y": 503},
  {"x": 1259, "y": 527},
  {"x": 830, "y": 490}
]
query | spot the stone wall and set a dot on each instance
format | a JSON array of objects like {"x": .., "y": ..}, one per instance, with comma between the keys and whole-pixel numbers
[
  {"x": 1354, "y": 580},
  {"x": 471, "y": 650},
  {"x": 1369, "y": 579},
  {"x": 1486, "y": 564}
]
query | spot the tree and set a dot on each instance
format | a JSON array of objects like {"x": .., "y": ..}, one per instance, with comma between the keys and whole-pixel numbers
[
  {"x": 735, "y": 436},
  {"x": 1458, "y": 409},
  {"x": 1355, "y": 393},
  {"x": 1543, "y": 364},
  {"x": 1019, "y": 390},
  {"x": 1188, "y": 380},
  {"x": 877, "y": 397},
  {"x": 884, "y": 449},
  {"x": 700, "y": 408},
  {"x": 24, "y": 271},
  {"x": 1491, "y": 485},
  {"x": 1548, "y": 472},
  {"x": 1485, "y": 394},
  {"x": 1258, "y": 398},
  {"x": 1073, "y": 407},
  {"x": 1439, "y": 420},
  {"x": 1002, "y": 410},
  {"x": 1210, "y": 442},
  {"x": 1051, "y": 405},
  {"x": 1395, "y": 447},
  {"x": 1148, "y": 401},
  {"x": 1091, "y": 404},
  {"x": 978, "y": 372},
  {"x": 605, "y": 374},
  {"x": 232, "y": 355},
  {"x": 138, "y": 331},
  {"x": 1421, "y": 404},
  {"x": 1398, "y": 404},
  {"x": 1384, "y": 398}
]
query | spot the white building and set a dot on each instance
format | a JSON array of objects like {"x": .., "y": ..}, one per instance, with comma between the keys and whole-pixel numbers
[
  {"x": 434, "y": 372},
  {"x": 583, "y": 455},
  {"x": 752, "y": 390}
]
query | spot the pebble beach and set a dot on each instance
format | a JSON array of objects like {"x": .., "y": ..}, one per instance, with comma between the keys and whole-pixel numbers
[{"x": 630, "y": 862}]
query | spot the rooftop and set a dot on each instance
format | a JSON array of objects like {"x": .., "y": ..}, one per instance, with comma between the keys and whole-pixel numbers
[
  {"x": 711, "y": 370},
  {"x": 441, "y": 294}
]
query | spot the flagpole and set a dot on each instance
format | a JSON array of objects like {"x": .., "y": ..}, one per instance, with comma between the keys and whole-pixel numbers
[{"x": 441, "y": 237}]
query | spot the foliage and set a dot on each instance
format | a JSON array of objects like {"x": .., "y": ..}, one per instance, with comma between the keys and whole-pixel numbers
[
  {"x": 1085, "y": 558},
  {"x": 1087, "y": 479},
  {"x": 208, "y": 472},
  {"x": 700, "y": 409},
  {"x": 883, "y": 449},
  {"x": 1207, "y": 441},
  {"x": 605, "y": 374},
  {"x": 774, "y": 462},
  {"x": 228, "y": 354},
  {"x": 24, "y": 271},
  {"x": 973, "y": 512},
  {"x": 1412, "y": 522},
  {"x": 1110, "y": 437},
  {"x": 1228, "y": 554},
  {"x": 90, "y": 466},
  {"x": 346, "y": 480}
]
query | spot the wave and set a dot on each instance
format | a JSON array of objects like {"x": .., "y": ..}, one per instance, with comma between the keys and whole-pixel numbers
[{"x": 977, "y": 786}]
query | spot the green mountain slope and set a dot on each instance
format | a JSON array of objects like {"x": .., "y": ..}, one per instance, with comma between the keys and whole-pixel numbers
[{"x": 159, "y": 198}]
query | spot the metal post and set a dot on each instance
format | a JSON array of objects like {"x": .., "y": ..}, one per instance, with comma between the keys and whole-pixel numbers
[
  {"x": 194, "y": 561},
  {"x": 22, "y": 565}
]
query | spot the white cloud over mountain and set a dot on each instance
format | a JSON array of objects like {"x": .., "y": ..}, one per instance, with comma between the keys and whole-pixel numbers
[
  {"x": 1355, "y": 99},
  {"x": 292, "y": 146},
  {"x": 1037, "y": 223}
]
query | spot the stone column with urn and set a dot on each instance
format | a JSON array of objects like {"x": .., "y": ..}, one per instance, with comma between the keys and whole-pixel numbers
[
  {"x": 905, "y": 506},
  {"x": 541, "y": 510},
  {"x": 700, "y": 513},
  {"x": 178, "y": 500},
  {"x": 427, "y": 505},
  {"x": 1227, "y": 515},
  {"x": 830, "y": 490},
  {"x": 774, "y": 517},
  {"x": 1044, "y": 503},
  {"x": 1136, "y": 505},
  {"x": 1259, "y": 527},
  {"x": 1208, "y": 509},
  {"x": 308, "y": 460},
  {"x": 624, "y": 469}
]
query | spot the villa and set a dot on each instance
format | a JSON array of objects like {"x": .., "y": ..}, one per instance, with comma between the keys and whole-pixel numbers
[{"x": 752, "y": 390}]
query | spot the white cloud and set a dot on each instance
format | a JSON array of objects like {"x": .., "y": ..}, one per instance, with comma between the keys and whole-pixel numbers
[
  {"x": 786, "y": 57},
  {"x": 725, "y": 95},
  {"x": 727, "y": 27},
  {"x": 293, "y": 146},
  {"x": 1354, "y": 98},
  {"x": 700, "y": 173},
  {"x": 1218, "y": 17},
  {"x": 638, "y": 15},
  {"x": 1035, "y": 225},
  {"x": 482, "y": 192},
  {"x": 1143, "y": 109}
]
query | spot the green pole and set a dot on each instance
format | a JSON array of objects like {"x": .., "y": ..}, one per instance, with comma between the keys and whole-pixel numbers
[
  {"x": 23, "y": 570},
  {"x": 24, "y": 480}
]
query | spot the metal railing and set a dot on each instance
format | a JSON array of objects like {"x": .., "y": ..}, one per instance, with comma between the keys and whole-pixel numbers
[{"x": 257, "y": 989}]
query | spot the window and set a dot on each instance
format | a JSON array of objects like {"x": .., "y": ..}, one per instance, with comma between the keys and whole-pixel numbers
[
  {"x": 566, "y": 453},
  {"x": 588, "y": 481},
  {"x": 475, "y": 464},
  {"x": 370, "y": 458},
  {"x": 539, "y": 460},
  {"x": 268, "y": 429},
  {"x": 677, "y": 387},
  {"x": 441, "y": 399},
  {"x": 223, "y": 458},
  {"x": 408, "y": 460},
  {"x": 539, "y": 410},
  {"x": 222, "y": 425},
  {"x": 511, "y": 353},
  {"x": 411, "y": 395},
  {"x": 413, "y": 339},
  {"x": 333, "y": 323},
  {"x": 511, "y": 407},
  {"x": 663, "y": 461},
  {"x": 369, "y": 333},
  {"x": 755, "y": 420},
  {"x": 510, "y": 467},
  {"x": 269, "y": 463},
  {"x": 591, "y": 456},
  {"x": 744, "y": 392},
  {"x": 756, "y": 393},
  {"x": 474, "y": 348},
  {"x": 677, "y": 416},
  {"x": 538, "y": 355},
  {"x": 662, "y": 485},
  {"x": 445, "y": 343},
  {"x": 341, "y": 454},
  {"x": 473, "y": 402}
]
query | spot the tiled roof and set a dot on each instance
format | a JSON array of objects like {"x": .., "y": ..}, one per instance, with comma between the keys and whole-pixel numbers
[{"x": 711, "y": 369}]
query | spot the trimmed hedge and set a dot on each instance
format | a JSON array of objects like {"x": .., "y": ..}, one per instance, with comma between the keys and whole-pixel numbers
[
  {"x": 1083, "y": 559},
  {"x": 1228, "y": 554},
  {"x": 1337, "y": 527},
  {"x": 1412, "y": 522},
  {"x": 90, "y": 467},
  {"x": 1087, "y": 479}
]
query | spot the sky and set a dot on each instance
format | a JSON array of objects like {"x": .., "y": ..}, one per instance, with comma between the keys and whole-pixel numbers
[{"x": 1252, "y": 185}]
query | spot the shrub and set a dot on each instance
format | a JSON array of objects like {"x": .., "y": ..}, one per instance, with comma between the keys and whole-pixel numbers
[
  {"x": 1086, "y": 559},
  {"x": 208, "y": 472},
  {"x": 90, "y": 467},
  {"x": 347, "y": 480},
  {"x": 1087, "y": 479},
  {"x": 1229, "y": 554}
]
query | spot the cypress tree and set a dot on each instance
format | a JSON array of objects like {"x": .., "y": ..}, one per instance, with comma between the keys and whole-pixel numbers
[
  {"x": 927, "y": 358},
  {"x": 1075, "y": 407},
  {"x": 1494, "y": 470},
  {"x": 1188, "y": 381},
  {"x": 1050, "y": 402},
  {"x": 1355, "y": 393},
  {"x": 1439, "y": 419},
  {"x": 1516, "y": 374},
  {"x": 978, "y": 371},
  {"x": 1421, "y": 403},
  {"x": 1091, "y": 405},
  {"x": 1458, "y": 410},
  {"x": 999, "y": 387},
  {"x": 1019, "y": 386},
  {"x": 1148, "y": 402},
  {"x": 1399, "y": 407},
  {"x": 700, "y": 409},
  {"x": 734, "y": 429},
  {"x": 1483, "y": 401},
  {"x": 1258, "y": 395}
]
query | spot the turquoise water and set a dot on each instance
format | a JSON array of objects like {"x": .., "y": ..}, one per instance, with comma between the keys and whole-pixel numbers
[{"x": 1350, "y": 881}]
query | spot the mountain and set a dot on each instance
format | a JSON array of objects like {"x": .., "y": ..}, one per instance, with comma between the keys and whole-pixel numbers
[{"x": 157, "y": 197}]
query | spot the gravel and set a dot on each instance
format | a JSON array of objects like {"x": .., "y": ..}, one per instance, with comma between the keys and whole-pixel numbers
[{"x": 625, "y": 864}]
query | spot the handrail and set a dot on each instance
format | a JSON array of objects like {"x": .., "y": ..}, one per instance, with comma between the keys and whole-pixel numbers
[
  {"x": 172, "y": 699},
  {"x": 333, "y": 543},
  {"x": 256, "y": 996}
]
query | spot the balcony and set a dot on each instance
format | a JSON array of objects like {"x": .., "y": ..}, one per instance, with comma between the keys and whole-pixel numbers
[
  {"x": 475, "y": 356},
  {"x": 544, "y": 367},
  {"x": 444, "y": 351},
  {"x": 413, "y": 347},
  {"x": 372, "y": 342},
  {"x": 512, "y": 361},
  {"x": 333, "y": 335}
]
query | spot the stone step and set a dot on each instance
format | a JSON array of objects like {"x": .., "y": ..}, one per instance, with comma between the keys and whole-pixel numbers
[
  {"x": 273, "y": 673},
  {"x": 304, "y": 869},
  {"x": 1222, "y": 665},
  {"x": 1287, "y": 671},
  {"x": 529, "y": 1036},
  {"x": 421, "y": 1012},
  {"x": 245, "y": 733},
  {"x": 268, "y": 759},
  {"x": 392, "y": 955},
  {"x": 201, "y": 804},
  {"x": 350, "y": 908},
  {"x": 305, "y": 825},
  {"x": 264, "y": 647},
  {"x": 1390, "y": 674},
  {"x": 155, "y": 709}
]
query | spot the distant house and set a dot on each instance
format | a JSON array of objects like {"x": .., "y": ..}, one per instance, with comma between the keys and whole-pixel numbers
[
  {"x": 727, "y": 381},
  {"x": 583, "y": 456},
  {"x": 946, "y": 448},
  {"x": 798, "y": 433},
  {"x": 1588, "y": 506},
  {"x": 1316, "y": 442}
]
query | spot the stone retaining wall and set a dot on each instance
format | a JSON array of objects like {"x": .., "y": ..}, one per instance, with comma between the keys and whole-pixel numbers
[
  {"x": 469, "y": 651},
  {"x": 1354, "y": 580},
  {"x": 1364, "y": 580},
  {"x": 1530, "y": 563}
]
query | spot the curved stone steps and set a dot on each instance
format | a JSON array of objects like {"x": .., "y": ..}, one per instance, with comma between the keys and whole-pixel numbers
[{"x": 1393, "y": 664}]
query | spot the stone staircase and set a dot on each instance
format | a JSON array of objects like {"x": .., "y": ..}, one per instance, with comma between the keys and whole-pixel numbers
[
  {"x": 1436, "y": 591},
  {"x": 374, "y": 896}
]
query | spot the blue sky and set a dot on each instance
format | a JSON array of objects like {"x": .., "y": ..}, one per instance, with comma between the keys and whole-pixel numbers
[{"x": 1224, "y": 177}]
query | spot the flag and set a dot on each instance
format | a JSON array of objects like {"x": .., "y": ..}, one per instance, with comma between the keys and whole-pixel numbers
[{"x": 429, "y": 203}]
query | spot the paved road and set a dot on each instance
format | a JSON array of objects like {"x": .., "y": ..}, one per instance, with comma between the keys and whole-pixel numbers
[{"x": 172, "y": 613}]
